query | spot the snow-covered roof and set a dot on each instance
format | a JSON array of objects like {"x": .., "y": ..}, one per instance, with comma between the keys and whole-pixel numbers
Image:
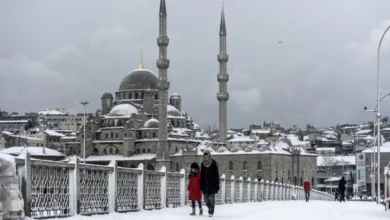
[
  {"x": 385, "y": 148},
  {"x": 326, "y": 149},
  {"x": 50, "y": 112},
  {"x": 260, "y": 131},
  {"x": 136, "y": 157},
  {"x": 335, "y": 160},
  {"x": 363, "y": 131},
  {"x": 34, "y": 151},
  {"x": 53, "y": 133},
  {"x": 333, "y": 179},
  {"x": 122, "y": 110},
  {"x": 241, "y": 139},
  {"x": 151, "y": 123},
  {"x": 13, "y": 121}
]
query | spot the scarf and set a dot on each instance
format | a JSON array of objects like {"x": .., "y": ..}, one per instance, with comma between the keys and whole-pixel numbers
[{"x": 209, "y": 161}]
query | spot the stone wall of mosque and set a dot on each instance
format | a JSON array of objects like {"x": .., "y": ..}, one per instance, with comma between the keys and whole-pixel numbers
[{"x": 275, "y": 167}]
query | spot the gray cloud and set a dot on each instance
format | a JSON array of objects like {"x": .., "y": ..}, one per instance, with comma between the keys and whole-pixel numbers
[{"x": 54, "y": 54}]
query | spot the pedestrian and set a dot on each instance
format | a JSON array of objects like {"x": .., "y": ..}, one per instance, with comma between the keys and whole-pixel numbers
[
  {"x": 209, "y": 180},
  {"x": 342, "y": 183},
  {"x": 194, "y": 191},
  {"x": 307, "y": 188}
]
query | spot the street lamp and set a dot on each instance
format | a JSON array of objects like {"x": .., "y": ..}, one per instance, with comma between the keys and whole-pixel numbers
[
  {"x": 84, "y": 103},
  {"x": 372, "y": 175},
  {"x": 378, "y": 107}
]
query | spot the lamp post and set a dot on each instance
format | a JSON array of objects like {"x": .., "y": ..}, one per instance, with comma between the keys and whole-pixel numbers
[
  {"x": 84, "y": 103},
  {"x": 373, "y": 170}
]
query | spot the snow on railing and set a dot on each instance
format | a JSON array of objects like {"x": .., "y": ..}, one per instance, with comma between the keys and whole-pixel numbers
[
  {"x": 387, "y": 187},
  {"x": 60, "y": 189}
]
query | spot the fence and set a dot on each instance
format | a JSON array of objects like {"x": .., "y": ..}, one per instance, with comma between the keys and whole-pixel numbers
[
  {"x": 387, "y": 188},
  {"x": 60, "y": 189}
]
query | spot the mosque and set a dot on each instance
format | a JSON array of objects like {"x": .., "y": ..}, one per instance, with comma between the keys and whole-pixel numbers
[{"x": 140, "y": 124}]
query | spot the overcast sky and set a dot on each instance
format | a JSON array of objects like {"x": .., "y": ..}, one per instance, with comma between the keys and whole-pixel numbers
[{"x": 56, "y": 53}]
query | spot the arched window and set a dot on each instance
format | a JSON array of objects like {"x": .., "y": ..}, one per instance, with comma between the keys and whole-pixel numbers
[
  {"x": 117, "y": 151},
  {"x": 231, "y": 165},
  {"x": 116, "y": 135},
  {"x": 143, "y": 150},
  {"x": 154, "y": 135},
  {"x": 295, "y": 180},
  {"x": 177, "y": 167},
  {"x": 245, "y": 166},
  {"x": 110, "y": 150},
  {"x": 301, "y": 181},
  {"x": 95, "y": 151},
  {"x": 136, "y": 96},
  {"x": 105, "y": 151},
  {"x": 130, "y": 96},
  {"x": 259, "y": 165},
  {"x": 148, "y": 150},
  {"x": 112, "y": 135},
  {"x": 156, "y": 96},
  {"x": 176, "y": 150}
]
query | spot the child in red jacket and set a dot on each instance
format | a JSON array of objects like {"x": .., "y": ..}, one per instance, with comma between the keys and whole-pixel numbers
[{"x": 194, "y": 191}]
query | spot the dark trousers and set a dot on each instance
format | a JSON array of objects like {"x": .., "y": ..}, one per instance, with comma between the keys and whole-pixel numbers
[
  {"x": 210, "y": 202},
  {"x": 194, "y": 202},
  {"x": 342, "y": 195},
  {"x": 307, "y": 196}
]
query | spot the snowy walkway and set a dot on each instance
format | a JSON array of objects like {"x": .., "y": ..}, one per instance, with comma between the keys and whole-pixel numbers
[{"x": 300, "y": 210}]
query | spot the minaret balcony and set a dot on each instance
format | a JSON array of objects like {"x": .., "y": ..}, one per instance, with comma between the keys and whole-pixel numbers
[
  {"x": 222, "y": 96},
  {"x": 162, "y": 41},
  {"x": 223, "y": 57},
  {"x": 162, "y": 63},
  {"x": 223, "y": 77},
  {"x": 163, "y": 85}
]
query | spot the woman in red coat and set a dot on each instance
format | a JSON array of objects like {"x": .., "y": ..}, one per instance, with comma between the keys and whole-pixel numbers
[{"x": 194, "y": 191}]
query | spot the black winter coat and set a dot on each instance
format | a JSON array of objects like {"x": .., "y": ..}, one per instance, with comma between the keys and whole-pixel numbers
[
  {"x": 342, "y": 183},
  {"x": 209, "y": 178}
]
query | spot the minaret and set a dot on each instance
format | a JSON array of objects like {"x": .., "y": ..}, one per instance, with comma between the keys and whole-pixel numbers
[
  {"x": 223, "y": 78},
  {"x": 162, "y": 154}
]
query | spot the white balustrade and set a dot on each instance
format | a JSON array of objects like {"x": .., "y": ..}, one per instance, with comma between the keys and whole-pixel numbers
[{"x": 61, "y": 189}]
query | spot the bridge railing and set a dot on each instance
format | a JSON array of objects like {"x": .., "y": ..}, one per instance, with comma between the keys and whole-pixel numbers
[{"x": 60, "y": 189}]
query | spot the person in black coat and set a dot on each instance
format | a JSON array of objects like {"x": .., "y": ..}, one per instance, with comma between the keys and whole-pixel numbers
[
  {"x": 342, "y": 183},
  {"x": 209, "y": 180}
]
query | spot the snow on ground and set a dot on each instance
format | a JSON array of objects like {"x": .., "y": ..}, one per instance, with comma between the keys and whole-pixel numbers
[{"x": 295, "y": 210}]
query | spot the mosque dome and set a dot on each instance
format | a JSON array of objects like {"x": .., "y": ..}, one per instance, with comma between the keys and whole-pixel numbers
[
  {"x": 175, "y": 96},
  {"x": 123, "y": 110},
  {"x": 151, "y": 123},
  {"x": 235, "y": 149},
  {"x": 221, "y": 149},
  {"x": 249, "y": 149},
  {"x": 139, "y": 79}
]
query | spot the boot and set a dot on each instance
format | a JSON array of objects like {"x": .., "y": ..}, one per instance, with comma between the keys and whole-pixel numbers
[
  {"x": 193, "y": 212},
  {"x": 200, "y": 211}
]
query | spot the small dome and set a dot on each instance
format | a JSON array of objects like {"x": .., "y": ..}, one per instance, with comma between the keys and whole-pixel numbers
[
  {"x": 123, "y": 110},
  {"x": 235, "y": 149},
  {"x": 221, "y": 149},
  {"x": 151, "y": 123},
  {"x": 209, "y": 149},
  {"x": 107, "y": 95},
  {"x": 172, "y": 111},
  {"x": 249, "y": 149},
  {"x": 175, "y": 96},
  {"x": 139, "y": 79}
]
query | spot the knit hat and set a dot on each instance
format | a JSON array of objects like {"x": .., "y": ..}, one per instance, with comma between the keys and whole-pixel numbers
[{"x": 195, "y": 166}]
